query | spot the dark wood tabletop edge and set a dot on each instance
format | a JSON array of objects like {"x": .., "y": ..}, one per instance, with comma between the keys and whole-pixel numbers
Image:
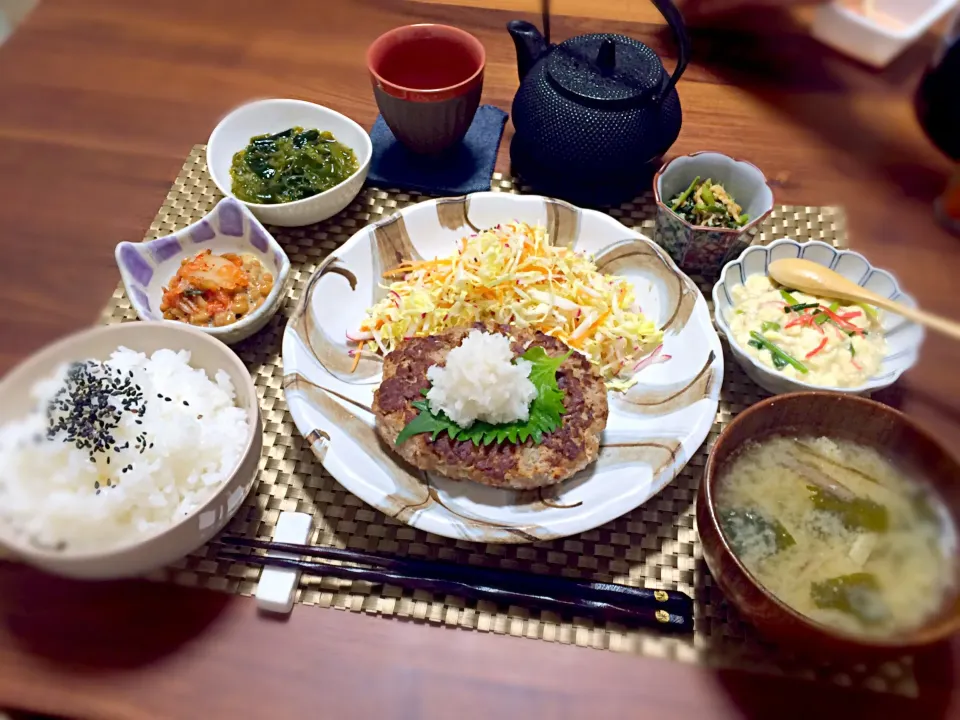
[
  {"x": 159, "y": 642},
  {"x": 72, "y": 83}
]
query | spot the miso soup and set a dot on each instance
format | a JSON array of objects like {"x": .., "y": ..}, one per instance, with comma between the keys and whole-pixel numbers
[{"x": 838, "y": 533}]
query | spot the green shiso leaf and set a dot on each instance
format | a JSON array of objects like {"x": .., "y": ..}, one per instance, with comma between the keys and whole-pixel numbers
[{"x": 545, "y": 411}]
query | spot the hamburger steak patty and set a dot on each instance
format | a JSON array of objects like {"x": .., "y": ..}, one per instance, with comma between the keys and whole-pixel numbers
[{"x": 562, "y": 453}]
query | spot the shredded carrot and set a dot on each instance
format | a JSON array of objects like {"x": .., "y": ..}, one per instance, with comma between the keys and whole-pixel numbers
[
  {"x": 805, "y": 320},
  {"x": 844, "y": 324},
  {"x": 356, "y": 356},
  {"x": 586, "y": 333},
  {"x": 817, "y": 349},
  {"x": 512, "y": 274}
]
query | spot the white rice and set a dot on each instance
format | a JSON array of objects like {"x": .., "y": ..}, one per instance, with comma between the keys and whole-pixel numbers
[
  {"x": 52, "y": 493},
  {"x": 480, "y": 381}
]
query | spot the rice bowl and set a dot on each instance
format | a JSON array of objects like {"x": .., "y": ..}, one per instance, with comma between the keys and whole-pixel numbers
[
  {"x": 174, "y": 434},
  {"x": 193, "y": 480}
]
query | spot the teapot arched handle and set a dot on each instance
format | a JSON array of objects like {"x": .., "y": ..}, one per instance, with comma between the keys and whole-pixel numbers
[{"x": 679, "y": 28}]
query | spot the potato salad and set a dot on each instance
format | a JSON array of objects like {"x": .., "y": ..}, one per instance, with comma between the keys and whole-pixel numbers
[{"x": 811, "y": 339}]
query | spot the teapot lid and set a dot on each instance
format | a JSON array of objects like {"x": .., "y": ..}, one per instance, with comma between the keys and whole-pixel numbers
[{"x": 605, "y": 67}]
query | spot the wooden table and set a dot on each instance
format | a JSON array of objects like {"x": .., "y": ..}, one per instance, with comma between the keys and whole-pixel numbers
[{"x": 101, "y": 101}]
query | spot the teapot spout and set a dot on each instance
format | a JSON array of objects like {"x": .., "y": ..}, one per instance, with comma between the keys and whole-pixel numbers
[{"x": 530, "y": 44}]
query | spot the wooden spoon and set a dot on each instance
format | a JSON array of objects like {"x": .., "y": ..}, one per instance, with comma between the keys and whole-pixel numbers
[{"x": 813, "y": 279}]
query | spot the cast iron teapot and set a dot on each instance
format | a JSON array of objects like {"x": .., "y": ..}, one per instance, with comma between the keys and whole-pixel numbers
[{"x": 595, "y": 113}]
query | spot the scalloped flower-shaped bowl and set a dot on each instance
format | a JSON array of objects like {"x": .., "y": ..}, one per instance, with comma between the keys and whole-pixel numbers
[
  {"x": 146, "y": 267},
  {"x": 903, "y": 337}
]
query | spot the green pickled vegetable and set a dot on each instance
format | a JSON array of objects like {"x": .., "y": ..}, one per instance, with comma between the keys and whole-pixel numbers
[
  {"x": 856, "y": 513},
  {"x": 742, "y": 526},
  {"x": 706, "y": 194},
  {"x": 777, "y": 353},
  {"x": 857, "y": 594},
  {"x": 868, "y": 309},
  {"x": 788, "y": 298},
  {"x": 290, "y": 165},
  {"x": 768, "y": 326},
  {"x": 682, "y": 197},
  {"x": 710, "y": 208},
  {"x": 800, "y": 306},
  {"x": 823, "y": 317},
  {"x": 707, "y": 204}
]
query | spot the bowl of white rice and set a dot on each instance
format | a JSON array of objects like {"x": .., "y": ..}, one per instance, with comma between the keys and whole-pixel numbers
[{"x": 124, "y": 448}]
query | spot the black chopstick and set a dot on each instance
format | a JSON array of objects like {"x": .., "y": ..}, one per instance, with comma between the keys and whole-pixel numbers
[
  {"x": 528, "y": 583},
  {"x": 637, "y": 614}
]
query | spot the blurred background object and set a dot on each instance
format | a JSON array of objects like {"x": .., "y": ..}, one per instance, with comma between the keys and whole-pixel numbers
[
  {"x": 877, "y": 31},
  {"x": 938, "y": 109},
  {"x": 938, "y": 99},
  {"x": 12, "y": 12}
]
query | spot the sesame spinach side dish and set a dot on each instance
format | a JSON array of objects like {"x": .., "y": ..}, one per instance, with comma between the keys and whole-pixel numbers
[
  {"x": 290, "y": 165},
  {"x": 708, "y": 204}
]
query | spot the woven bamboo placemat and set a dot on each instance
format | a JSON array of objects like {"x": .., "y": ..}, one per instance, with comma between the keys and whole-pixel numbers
[{"x": 656, "y": 545}]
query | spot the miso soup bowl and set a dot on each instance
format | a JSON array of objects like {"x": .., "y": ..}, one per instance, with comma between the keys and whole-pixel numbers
[{"x": 837, "y": 416}]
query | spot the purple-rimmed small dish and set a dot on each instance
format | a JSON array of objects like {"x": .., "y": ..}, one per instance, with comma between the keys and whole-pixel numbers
[
  {"x": 701, "y": 249},
  {"x": 147, "y": 267}
]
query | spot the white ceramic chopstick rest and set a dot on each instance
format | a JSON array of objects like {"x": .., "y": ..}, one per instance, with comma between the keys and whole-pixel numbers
[{"x": 278, "y": 587}]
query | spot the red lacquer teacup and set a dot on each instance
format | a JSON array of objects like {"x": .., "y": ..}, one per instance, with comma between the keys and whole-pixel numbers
[{"x": 427, "y": 81}]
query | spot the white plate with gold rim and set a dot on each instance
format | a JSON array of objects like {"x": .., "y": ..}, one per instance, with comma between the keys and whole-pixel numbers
[{"x": 652, "y": 432}]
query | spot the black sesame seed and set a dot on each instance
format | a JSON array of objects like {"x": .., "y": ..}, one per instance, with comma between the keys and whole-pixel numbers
[
  {"x": 96, "y": 483},
  {"x": 90, "y": 405},
  {"x": 186, "y": 403}
]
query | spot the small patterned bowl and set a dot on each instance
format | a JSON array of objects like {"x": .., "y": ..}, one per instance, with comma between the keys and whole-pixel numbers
[
  {"x": 147, "y": 267},
  {"x": 903, "y": 337},
  {"x": 700, "y": 249}
]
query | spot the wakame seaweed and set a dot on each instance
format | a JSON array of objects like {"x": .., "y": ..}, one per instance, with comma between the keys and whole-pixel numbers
[
  {"x": 290, "y": 165},
  {"x": 740, "y": 524}
]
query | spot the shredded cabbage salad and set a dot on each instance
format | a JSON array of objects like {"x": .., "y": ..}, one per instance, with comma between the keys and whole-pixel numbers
[{"x": 512, "y": 275}]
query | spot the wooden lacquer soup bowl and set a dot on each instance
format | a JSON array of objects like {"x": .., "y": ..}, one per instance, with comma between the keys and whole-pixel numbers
[{"x": 835, "y": 416}]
